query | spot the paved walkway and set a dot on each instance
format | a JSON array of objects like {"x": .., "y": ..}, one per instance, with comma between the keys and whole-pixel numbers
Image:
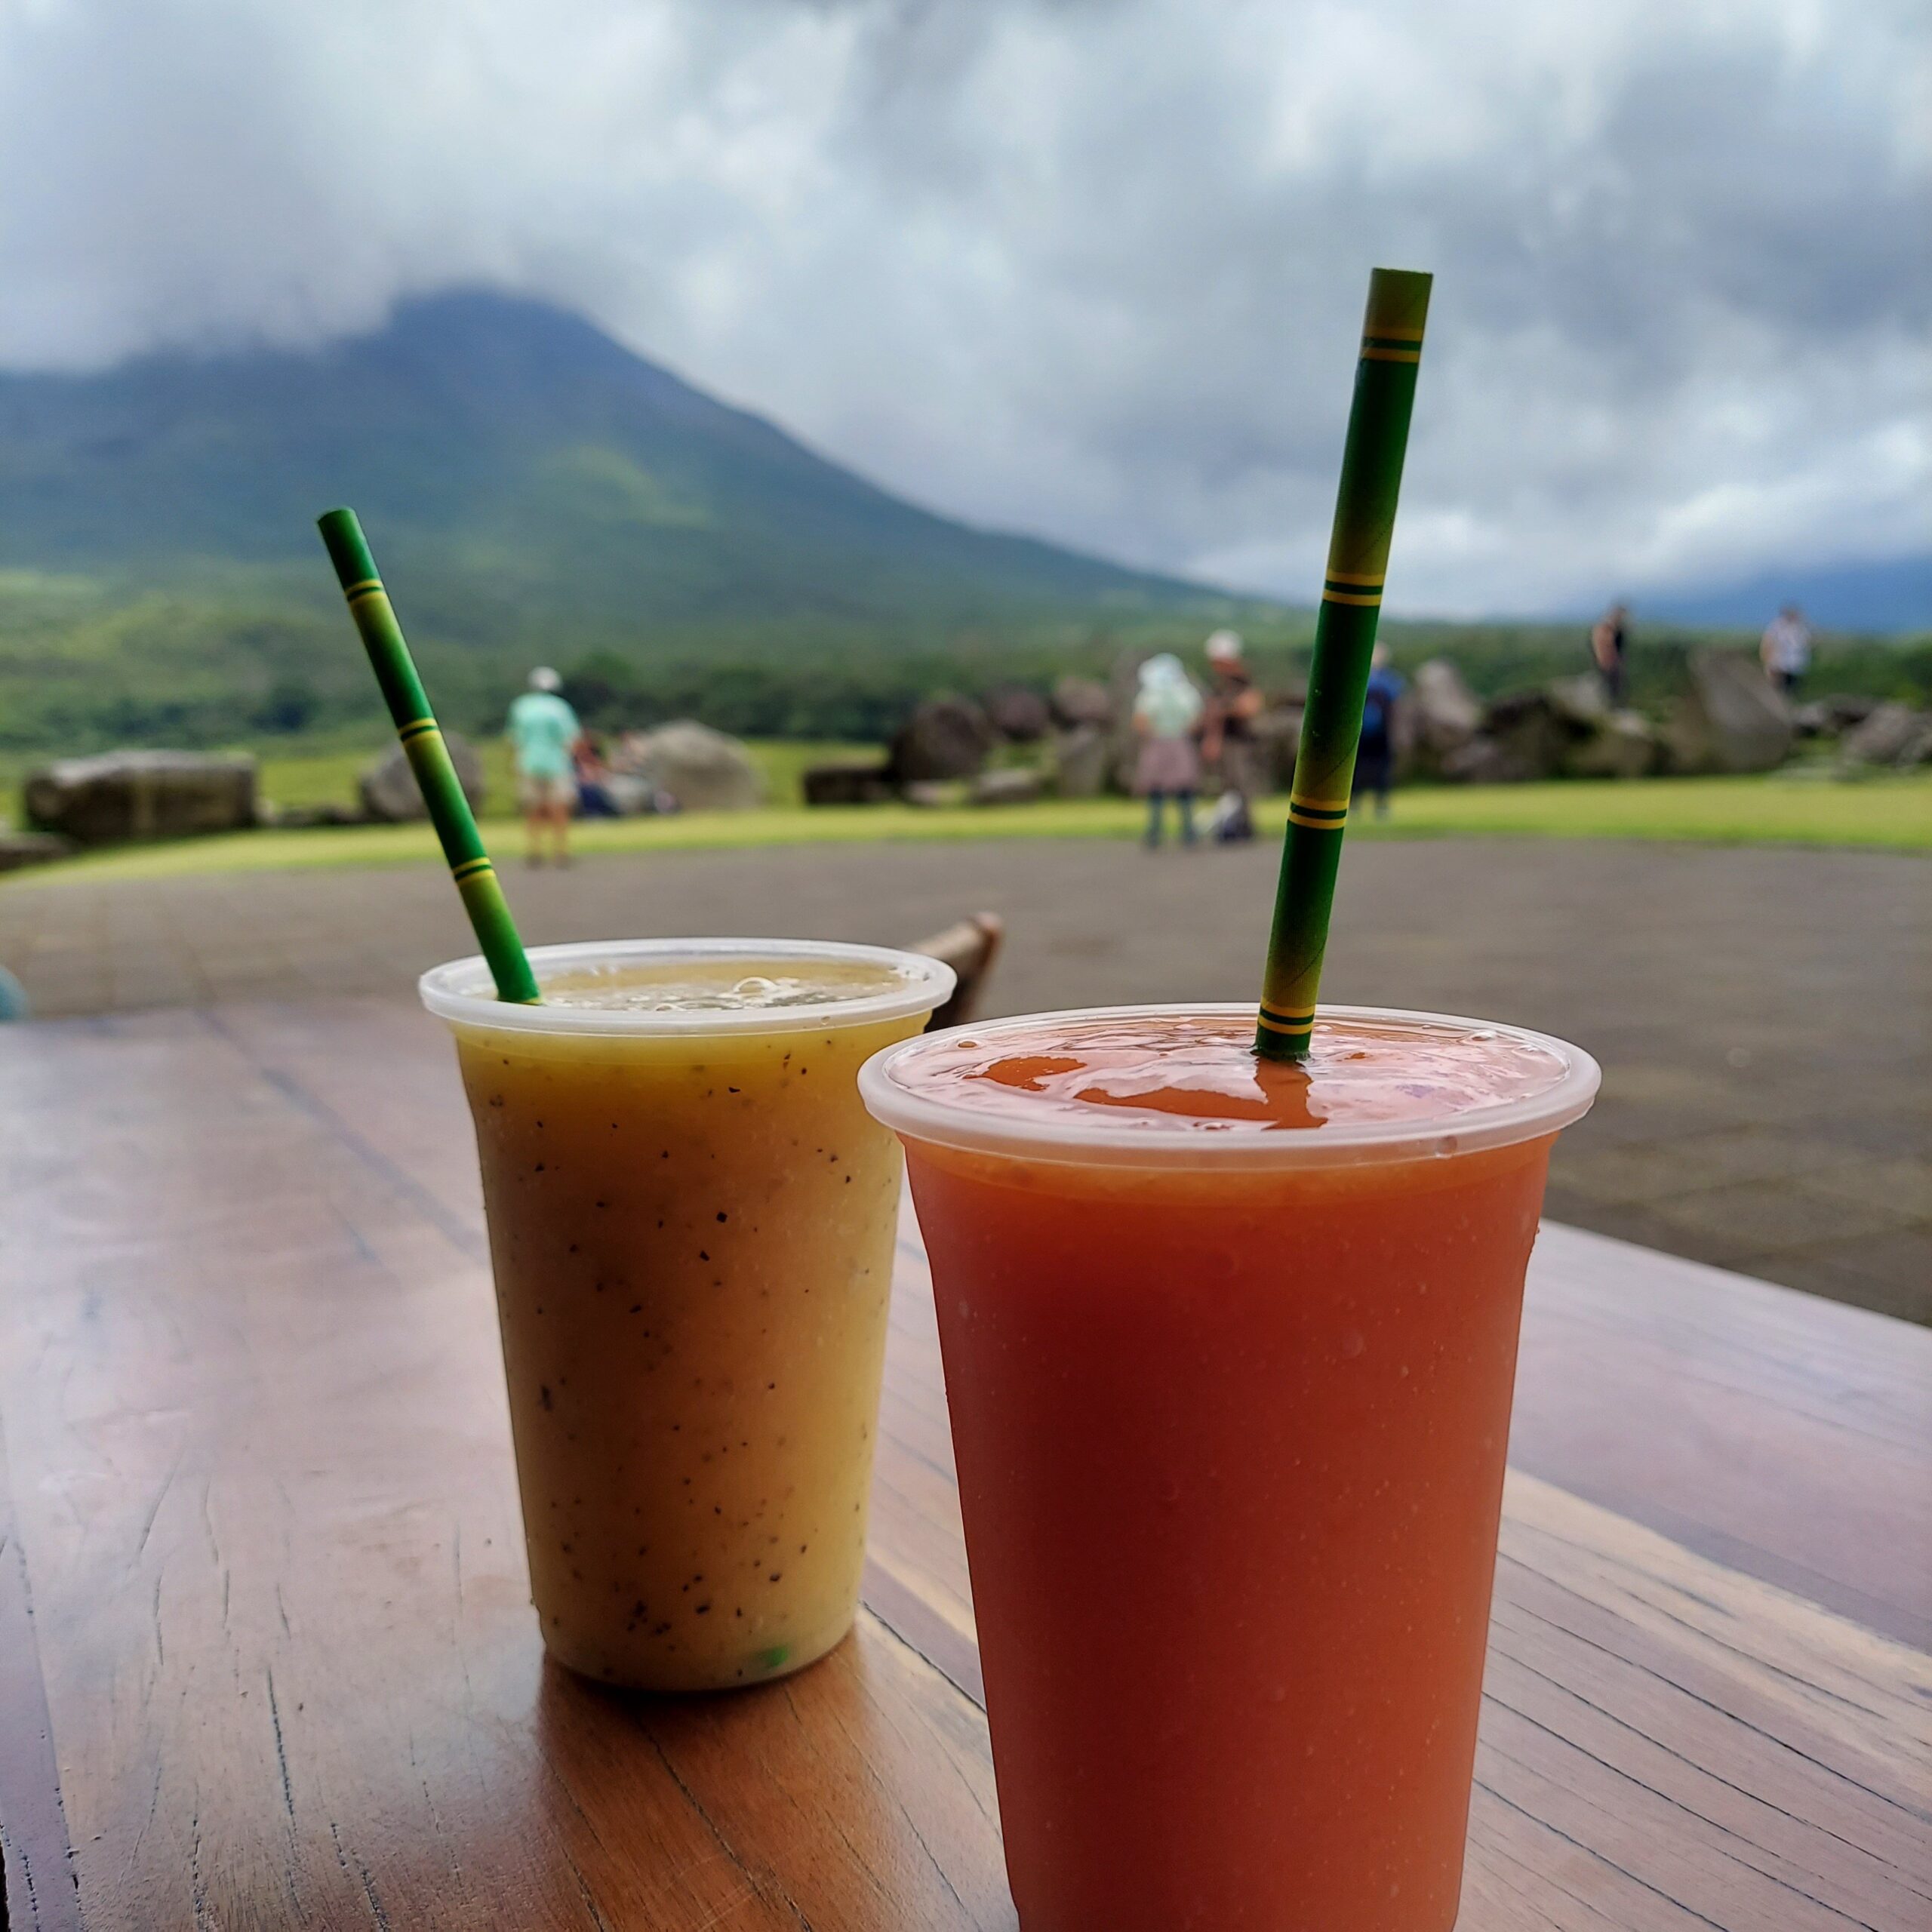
[{"x": 1765, "y": 1017}]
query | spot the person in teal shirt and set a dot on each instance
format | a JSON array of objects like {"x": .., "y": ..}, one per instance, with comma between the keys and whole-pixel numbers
[{"x": 543, "y": 735}]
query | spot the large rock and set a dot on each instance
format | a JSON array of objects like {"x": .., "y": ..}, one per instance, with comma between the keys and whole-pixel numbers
[
  {"x": 944, "y": 737},
  {"x": 1626, "y": 744},
  {"x": 1884, "y": 738},
  {"x": 1731, "y": 719},
  {"x": 1580, "y": 702},
  {"x": 20, "y": 849},
  {"x": 1017, "y": 713},
  {"x": 933, "y": 794},
  {"x": 1478, "y": 762},
  {"x": 847, "y": 784},
  {"x": 1530, "y": 735},
  {"x": 1832, "y": 714},
  {"x": 1917, "y": 749},
  {"x": 1012, "y": 787},
  {"x": 388, "y": 791},
  {"x": 704, "y": 771},
  {"x": 1440, "y": 716},
  {"x": 141, "y": 795},
  {"x": 1080, "y": 761},
  {"x": 305, "y": 818},
  {"x": 1078, "y": 701},
  {"x": 1277, "y": 738}
]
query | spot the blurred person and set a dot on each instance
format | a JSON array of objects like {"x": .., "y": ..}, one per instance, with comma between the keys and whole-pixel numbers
[
  {"x": 543, "y": 733},
  {"x": 1166, "y": 714},
  {"x": 592, "y": 773},
  {"x": 1610, "y": 642},
  {"x": 1784, "y": 651},
  {"x": 1227, "y": 742},
  {"x": 1375, "y": 755}
]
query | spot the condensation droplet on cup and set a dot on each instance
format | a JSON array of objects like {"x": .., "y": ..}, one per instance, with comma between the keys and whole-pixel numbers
[{"x": 1353, "y": 1343}]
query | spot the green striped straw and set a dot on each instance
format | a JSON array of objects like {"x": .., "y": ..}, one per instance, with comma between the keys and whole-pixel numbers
[
  {"x": 1344, "y": 637},
  {"x": 429, "y": 759}
]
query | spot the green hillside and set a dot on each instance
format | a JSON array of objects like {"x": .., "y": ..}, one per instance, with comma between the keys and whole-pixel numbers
[
  {"x": 534, "y": 490},
  {"x": 538, "y": 492}
]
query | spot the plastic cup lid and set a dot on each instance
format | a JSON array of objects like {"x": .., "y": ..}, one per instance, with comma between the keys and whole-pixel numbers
[
  {"x": 919, "y": 1115},
  {"x": 463, "y": 992}
]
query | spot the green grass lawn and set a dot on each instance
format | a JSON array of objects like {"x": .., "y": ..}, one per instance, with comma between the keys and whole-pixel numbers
[{"x": 1806, "y": 807}]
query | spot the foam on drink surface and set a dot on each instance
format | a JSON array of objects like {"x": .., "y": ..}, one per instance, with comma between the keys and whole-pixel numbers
[
  {"x": 1200, "y": 1071},
  {"x": 722, "y": 986}
]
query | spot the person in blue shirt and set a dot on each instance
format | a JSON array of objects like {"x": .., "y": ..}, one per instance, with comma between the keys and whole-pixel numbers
[
  {"x": 1375, "y": 757},
  {"x": 543, "y": 734}
]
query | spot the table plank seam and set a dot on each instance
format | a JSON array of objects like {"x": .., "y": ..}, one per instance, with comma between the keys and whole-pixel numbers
[
  {"x": 1591, "y": 1852},
  {"x": 1495, "y": 1750},
  {"x": 1683, "y": 1690},
  {"x": 1657, "y": 1743},
  {"x": 35, "y": 1841},
  {"x": 460, "y": 1233}
]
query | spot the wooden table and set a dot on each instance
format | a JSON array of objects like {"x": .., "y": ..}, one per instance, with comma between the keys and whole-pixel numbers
[{"x": 266, "y": 1659}]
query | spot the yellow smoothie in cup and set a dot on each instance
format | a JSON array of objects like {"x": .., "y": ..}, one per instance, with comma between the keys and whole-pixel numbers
[{"x": 691, "y": 1222}]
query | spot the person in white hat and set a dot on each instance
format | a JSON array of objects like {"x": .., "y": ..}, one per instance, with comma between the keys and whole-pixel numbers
[
  {"x": 544, "y": 734},
  {"x": 1228, "y": 742}
]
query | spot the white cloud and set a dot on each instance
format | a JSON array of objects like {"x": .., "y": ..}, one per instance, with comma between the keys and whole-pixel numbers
[{"x": 1090, "y": 267}]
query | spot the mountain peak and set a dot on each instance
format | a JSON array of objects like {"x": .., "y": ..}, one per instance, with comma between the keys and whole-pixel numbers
[{"x": 512, "y": 458}]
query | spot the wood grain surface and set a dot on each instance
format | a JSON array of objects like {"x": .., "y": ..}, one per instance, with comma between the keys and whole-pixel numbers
[{"x": 266, "y": 1659}]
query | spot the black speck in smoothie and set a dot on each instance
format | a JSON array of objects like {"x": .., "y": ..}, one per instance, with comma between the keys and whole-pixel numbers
[
  {"x": 637, "y": 1308},
  {"x": 543, "y": 1395},
  {"x": 701, "y": 1256},
  {"x": 777, "y": 1576},
  {"x": 721, "y": 1214}
]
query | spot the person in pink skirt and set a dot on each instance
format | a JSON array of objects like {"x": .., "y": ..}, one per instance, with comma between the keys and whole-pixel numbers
[{"x": 1166, "y": 715}]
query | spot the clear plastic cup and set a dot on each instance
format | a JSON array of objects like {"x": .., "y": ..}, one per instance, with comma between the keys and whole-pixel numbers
[
  {"x": 1229, "y": 1411},
  {"x": 691, "y": 1225}
]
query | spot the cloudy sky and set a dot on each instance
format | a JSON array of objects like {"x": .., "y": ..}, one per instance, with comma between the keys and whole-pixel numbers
[{"x": 1092, "y": 268}]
